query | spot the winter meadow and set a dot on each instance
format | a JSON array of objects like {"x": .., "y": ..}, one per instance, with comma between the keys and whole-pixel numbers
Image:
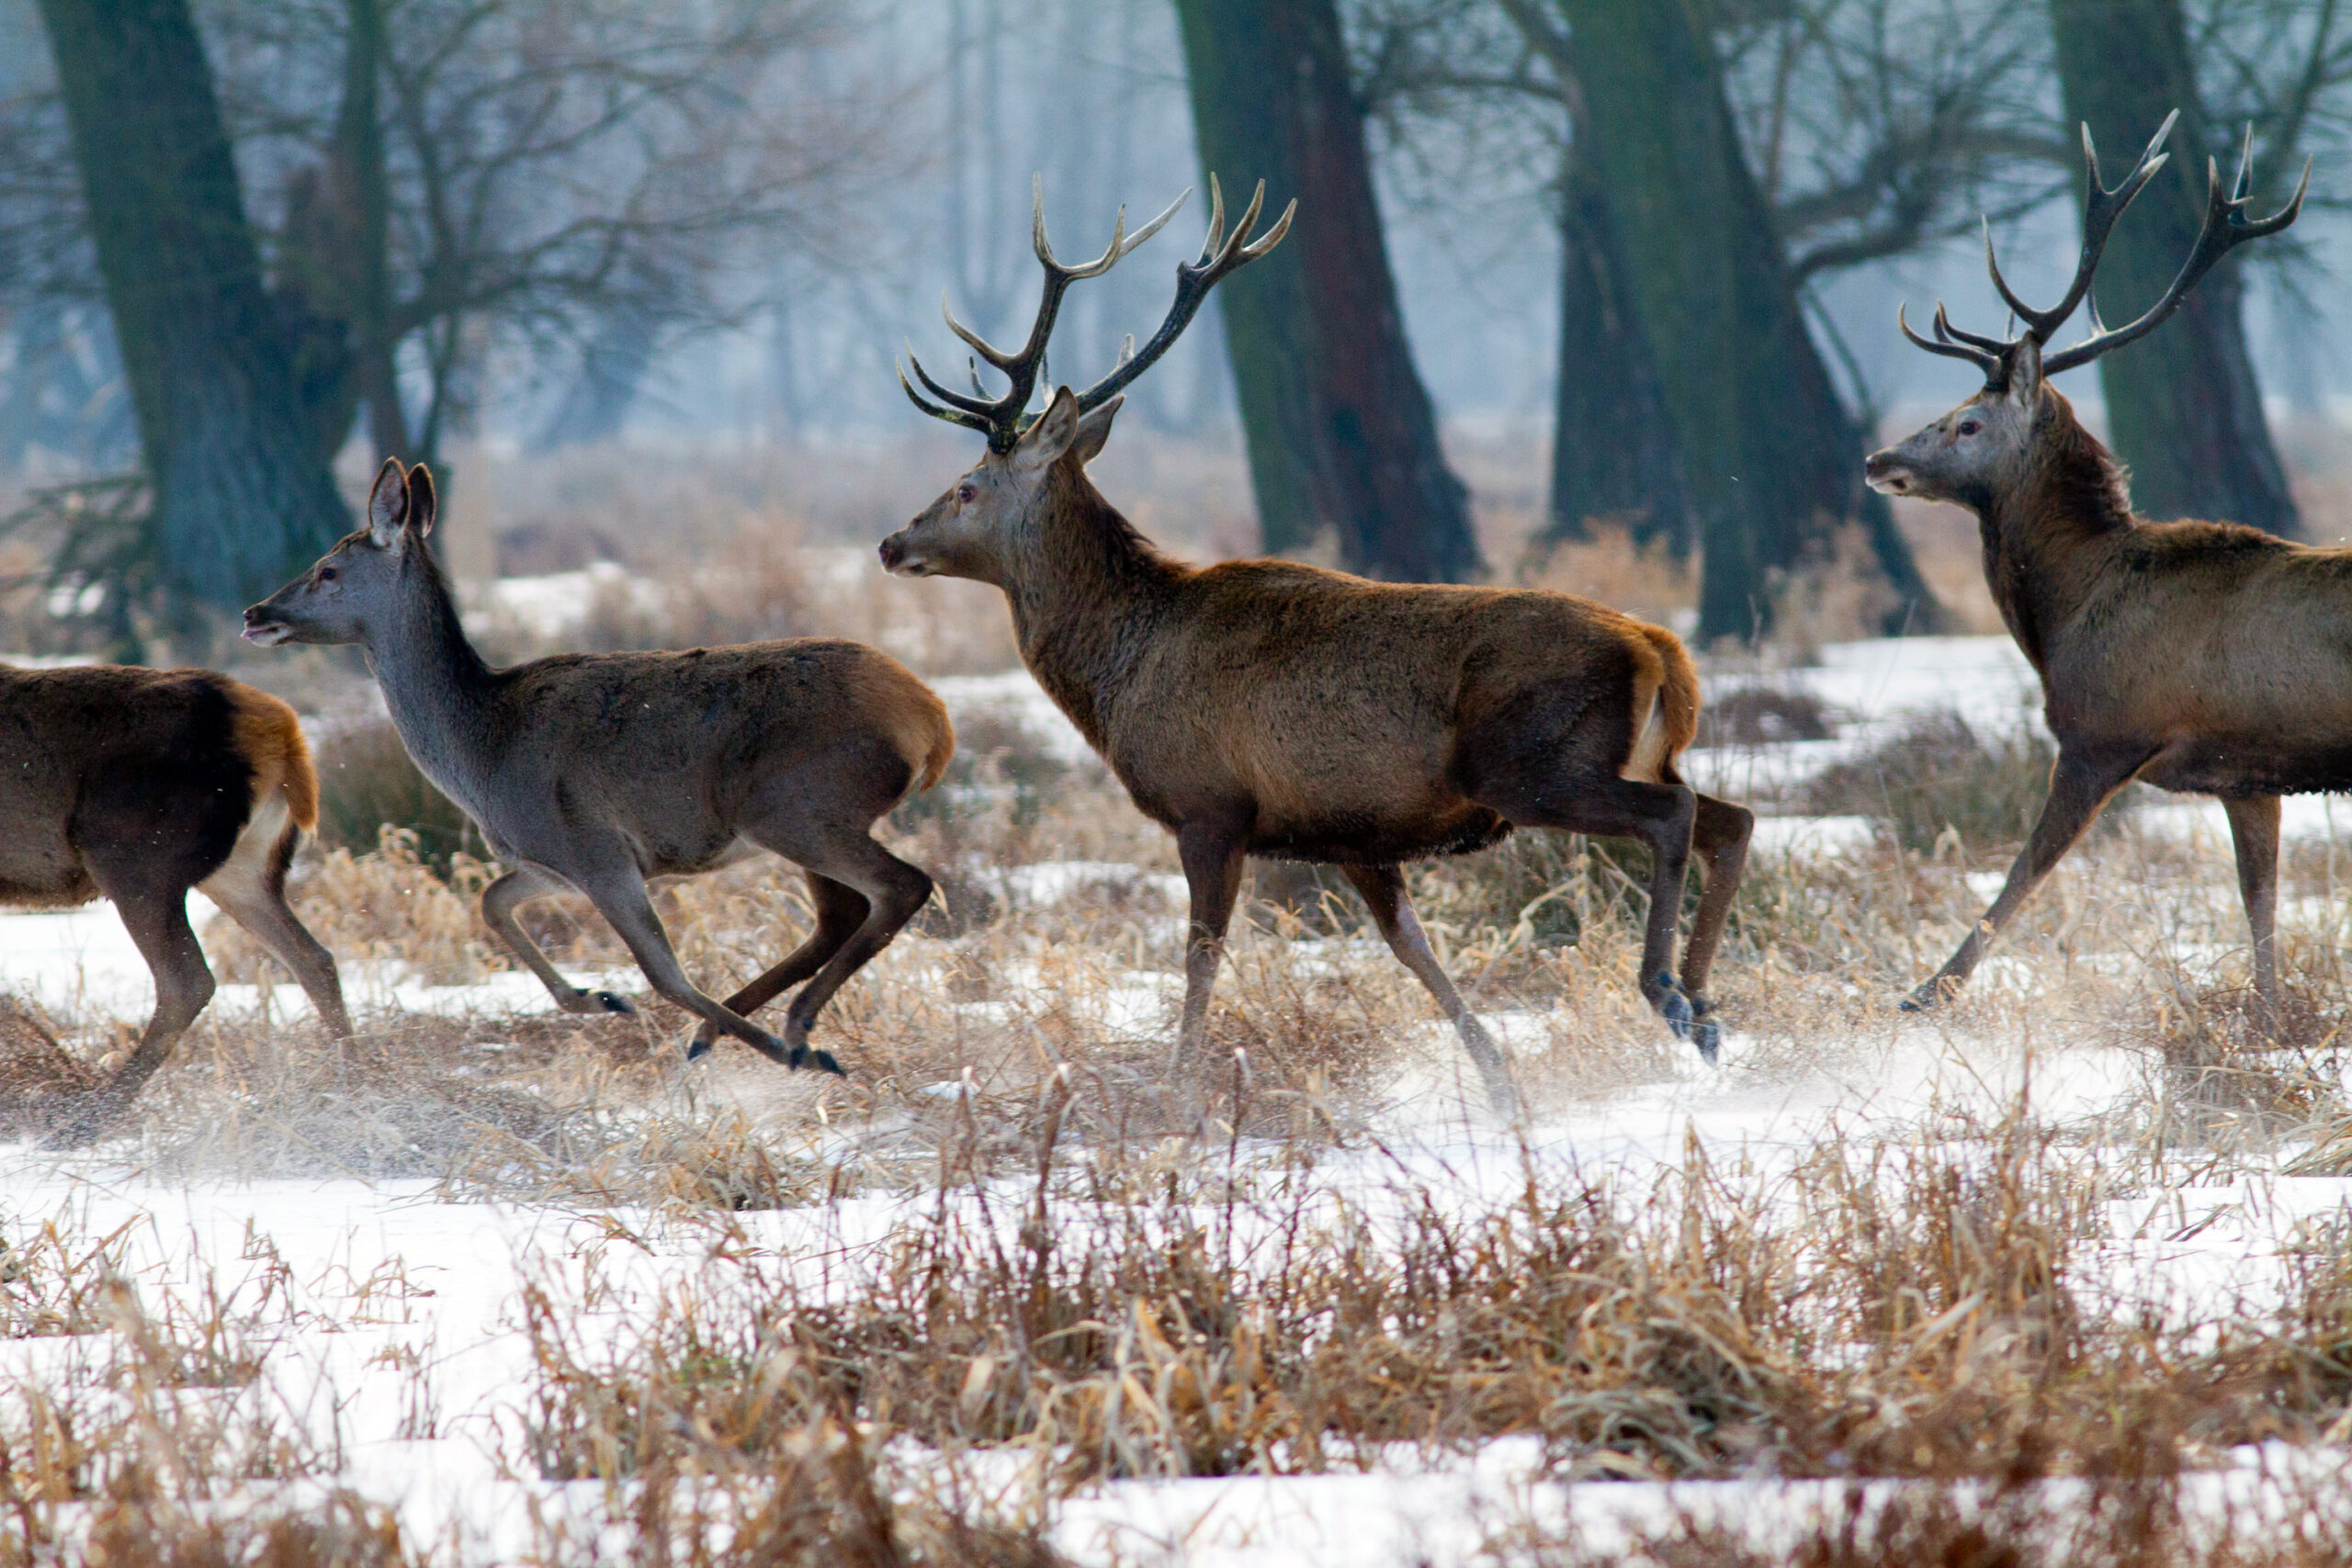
[{"x": 1495, "y": 878}]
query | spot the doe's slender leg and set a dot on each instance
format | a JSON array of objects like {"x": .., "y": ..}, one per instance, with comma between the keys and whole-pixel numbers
[{"x": 499, "y": 902}]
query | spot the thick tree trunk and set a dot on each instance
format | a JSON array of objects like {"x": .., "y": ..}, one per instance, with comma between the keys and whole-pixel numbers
[
  {"x": 1772, "y": 458},
  {"x": 241, "y": 498},
  {"x": 1340, "y": 431},
  {"x": 1615, "y": 457},
  {"x": 2183, "y": 408}
]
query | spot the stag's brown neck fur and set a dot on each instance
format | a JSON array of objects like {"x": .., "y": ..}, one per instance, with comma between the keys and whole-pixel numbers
[
  {"x": 2047, "y": 538},
  {"x": 1085, "y": 597}
]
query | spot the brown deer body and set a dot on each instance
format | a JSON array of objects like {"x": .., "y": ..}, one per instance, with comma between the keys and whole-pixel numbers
[
  {"x": 1266, "y": 707},
  {"x": 2205, "y": 658},
  {"x": 136, "y": 785},
  {"x": 601, "y": 772}
]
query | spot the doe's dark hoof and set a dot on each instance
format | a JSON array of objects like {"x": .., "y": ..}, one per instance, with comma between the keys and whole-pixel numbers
[
  {"x": 697, "y": 1048},
  {"x": 1707, "y": 1035},
  {"x": 613, "y": 1001}
]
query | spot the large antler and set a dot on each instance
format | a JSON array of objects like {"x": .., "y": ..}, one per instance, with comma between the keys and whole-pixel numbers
[
  {"x": 2226, "y": 226},
  {"x": 1004, "y": 419}
]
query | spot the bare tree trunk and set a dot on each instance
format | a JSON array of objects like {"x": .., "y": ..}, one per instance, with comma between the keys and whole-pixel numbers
[
  {"x": 1340, "y": 430},
  {"x": 243, "y": 499},
  {"x": 1615, "y": 457},
  {"x": 1772, "y": 457},
  {"x": 2183, "y": 408}
]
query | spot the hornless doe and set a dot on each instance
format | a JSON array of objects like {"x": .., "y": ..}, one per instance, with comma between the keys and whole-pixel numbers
[
  {"x": 1270, "y": 708},
  {"x": 137, "y": 785},
  {"x": 596, "y": 772},
  {"x": 2206, "y": 658}
]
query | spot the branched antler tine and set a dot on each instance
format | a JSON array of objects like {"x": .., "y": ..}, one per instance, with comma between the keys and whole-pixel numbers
[
  {"x": 2225, "y": 228},
  {"x": 981, "y": 406},
  {"x": 952, "y": 415},
  {"x": 1981, "y": 359},
  {"x": 1157, "y": 224},
  {"x": 1274, "y": 235},
  {"x": 1949, "y": 334},
  {"x": 980, "y": 345},
  {"x": 1216, "y": 240},
  {"x": 2101, "y": 208},
  {"x": 1223, "y": 255}
]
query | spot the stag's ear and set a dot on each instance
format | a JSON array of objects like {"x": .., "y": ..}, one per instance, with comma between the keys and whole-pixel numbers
[
  {"x": 2025, "y": 371},
  {"x": 1094, "y": 429},
  {"x": 387, "y": 504},
  {"x": 1041, "y": 445},
  {"x": 424, "y": 502}
]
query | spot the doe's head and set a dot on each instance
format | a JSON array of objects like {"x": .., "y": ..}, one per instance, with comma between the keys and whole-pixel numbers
[{"x": 359, "y": 585}]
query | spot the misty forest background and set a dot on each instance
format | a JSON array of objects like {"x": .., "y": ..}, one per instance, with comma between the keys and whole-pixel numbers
[{"x": 248, "y": 249}]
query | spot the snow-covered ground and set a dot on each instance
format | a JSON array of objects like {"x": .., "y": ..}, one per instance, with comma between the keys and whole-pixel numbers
[{"x": 401, "y": 1330}]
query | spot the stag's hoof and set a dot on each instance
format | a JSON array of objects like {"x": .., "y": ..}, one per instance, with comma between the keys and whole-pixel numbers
[
  {"x": 1707, "y": 1035},
  {"x": 1674, "y": 1007},
  {"x": 77, "y": 1132},
  {"x": 1929, "y": 996}
]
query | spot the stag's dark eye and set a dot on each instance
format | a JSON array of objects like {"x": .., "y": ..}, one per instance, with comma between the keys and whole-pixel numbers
[
  {"x": 967, "y": 494},
  {"x": 1969, "y": 427},
  {"x": 326, "y": 574}
]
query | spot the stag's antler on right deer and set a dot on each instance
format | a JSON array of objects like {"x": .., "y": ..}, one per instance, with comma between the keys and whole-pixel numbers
[
  {"x": 1265, "y": 707},
  {"x": 2206, "y": 658}
]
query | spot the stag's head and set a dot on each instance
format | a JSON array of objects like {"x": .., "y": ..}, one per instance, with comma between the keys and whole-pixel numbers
[
  {"x": 990, "y": 516},
  {"x": 361, "y": 582},
  {"x": 1989, "y": 446}
]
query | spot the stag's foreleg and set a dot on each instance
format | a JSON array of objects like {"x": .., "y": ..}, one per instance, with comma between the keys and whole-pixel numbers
[
  {"x": 2253, "y": 828},
  {"x": 1213, "y": 856},
  {"x": 1382, "y": 888},
  {"x": 2078, "y": 788}
]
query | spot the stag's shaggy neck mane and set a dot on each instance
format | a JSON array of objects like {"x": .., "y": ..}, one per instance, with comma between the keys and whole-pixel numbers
[
  {"x": 1085, "y": 597},
  {"x": 2046, "y": 537},
  {"x": 435, "y": 685}
]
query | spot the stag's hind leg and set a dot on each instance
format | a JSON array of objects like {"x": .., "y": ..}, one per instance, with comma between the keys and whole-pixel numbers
[
  {"x": 1382, "y": 888},
  {"x": 1661, "y": 815},
  {"x": 1719, "y": 835},
  {"x": 2253, "y": 828}
]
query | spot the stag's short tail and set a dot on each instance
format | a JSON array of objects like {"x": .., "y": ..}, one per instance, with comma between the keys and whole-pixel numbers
[
  {"x": 269, "y": 737},
  {"x": 1666, "y": 708}
]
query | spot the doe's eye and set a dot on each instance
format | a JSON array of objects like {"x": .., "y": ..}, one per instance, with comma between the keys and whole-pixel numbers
[
  {"x": 967, "y": 494},
  {"x": 326, "y": 574},
  {"x": 1969, "y": 427}
]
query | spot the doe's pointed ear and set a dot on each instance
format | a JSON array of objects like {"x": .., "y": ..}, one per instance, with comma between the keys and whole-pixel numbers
[
  {"x": 1094, "y": 429},
  {"x": 424, "y": 501},
  {"x": 1041, "y": 445},
  {"x": 387, "y": 504}
]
